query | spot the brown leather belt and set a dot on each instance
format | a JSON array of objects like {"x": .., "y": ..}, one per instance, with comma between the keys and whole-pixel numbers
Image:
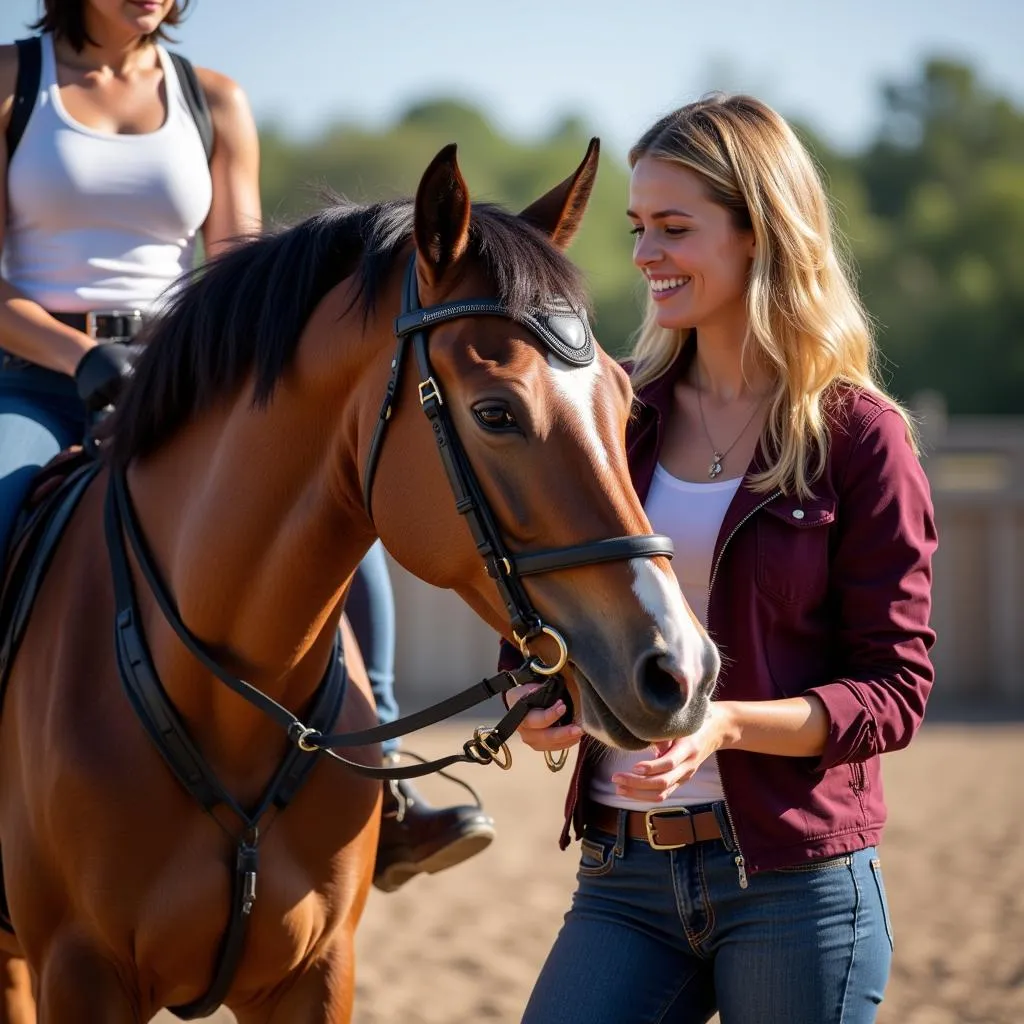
[{"x": 665, "y": 828}]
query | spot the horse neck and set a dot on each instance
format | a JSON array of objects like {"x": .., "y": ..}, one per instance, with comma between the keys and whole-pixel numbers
[{"x": 256, "y": 524}]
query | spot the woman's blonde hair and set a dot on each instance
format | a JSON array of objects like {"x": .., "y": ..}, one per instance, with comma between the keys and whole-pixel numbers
[{"x": 806, "y": 321}]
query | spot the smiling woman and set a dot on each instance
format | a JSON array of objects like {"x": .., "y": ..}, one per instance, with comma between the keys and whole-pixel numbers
[{"x": 735, "y": 869}]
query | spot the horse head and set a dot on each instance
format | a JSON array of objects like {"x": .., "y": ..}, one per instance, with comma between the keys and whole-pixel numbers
[{"x": 535, "y": 413}]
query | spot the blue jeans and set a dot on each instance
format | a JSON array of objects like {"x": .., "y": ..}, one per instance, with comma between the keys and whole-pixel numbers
[
  {"x": 41, "y": 414},
  {"x": 370, "y": 607},
  {"x": 669, "y": 936}
]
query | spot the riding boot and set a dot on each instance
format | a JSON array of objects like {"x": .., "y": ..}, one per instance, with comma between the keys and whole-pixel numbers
[{"x": 417, "y": 838}]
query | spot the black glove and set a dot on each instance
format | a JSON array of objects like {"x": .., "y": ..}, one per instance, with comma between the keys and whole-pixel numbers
[{"x": 101, "y": 374}]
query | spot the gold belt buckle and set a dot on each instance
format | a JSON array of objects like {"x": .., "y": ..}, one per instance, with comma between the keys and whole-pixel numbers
[{"x": 651, "y": 825}]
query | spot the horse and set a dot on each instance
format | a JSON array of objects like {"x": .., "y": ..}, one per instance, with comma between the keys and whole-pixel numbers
[{"x": 237, "y": 460}]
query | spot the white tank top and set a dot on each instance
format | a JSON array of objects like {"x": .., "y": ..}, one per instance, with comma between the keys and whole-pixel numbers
[
  {"x": 102, "y": 221},
  {"x": 691, "y": 515}
]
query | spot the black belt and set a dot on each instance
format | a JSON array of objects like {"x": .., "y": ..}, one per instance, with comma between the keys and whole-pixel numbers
[
  {"x": 105, "y": 323},
  {"x": 100, "y": 324}
]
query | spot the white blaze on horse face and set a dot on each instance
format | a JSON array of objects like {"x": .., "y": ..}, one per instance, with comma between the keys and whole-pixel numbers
[
  {"x": 663, "y": 601},
  {"x": 576, "y": 383}
]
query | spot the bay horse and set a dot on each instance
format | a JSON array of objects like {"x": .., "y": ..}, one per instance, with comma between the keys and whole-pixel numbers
[{"x": 243, "y": 445}]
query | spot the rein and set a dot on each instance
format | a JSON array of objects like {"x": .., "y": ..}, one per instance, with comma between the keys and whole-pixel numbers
[{"x": 122, "y": 521}]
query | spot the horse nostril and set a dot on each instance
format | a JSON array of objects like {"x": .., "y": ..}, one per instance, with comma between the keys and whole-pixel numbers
[{"x": 660, "y": 683}]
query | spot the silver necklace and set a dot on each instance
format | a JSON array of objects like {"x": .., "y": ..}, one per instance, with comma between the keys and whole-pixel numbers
[{"x": 718, "y": 457}]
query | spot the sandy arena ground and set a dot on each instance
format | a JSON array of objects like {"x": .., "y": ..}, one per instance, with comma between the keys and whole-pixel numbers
[{"x": 466, "y": 945}]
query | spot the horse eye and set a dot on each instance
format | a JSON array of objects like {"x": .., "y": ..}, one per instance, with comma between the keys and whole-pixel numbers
[{"x": 495, "y": 417}]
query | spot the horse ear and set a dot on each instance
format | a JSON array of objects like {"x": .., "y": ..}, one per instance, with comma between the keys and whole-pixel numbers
[
  {"x": 442, "y": 216},
  {"x": 558, "y": 214}
]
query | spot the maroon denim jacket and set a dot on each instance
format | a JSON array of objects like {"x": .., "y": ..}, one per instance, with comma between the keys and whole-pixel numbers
[{"x": 829, "y": 596}]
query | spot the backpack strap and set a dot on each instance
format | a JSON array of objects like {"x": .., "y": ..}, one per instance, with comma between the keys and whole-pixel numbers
[
  {"x": 26, "y": 89},
  {"x": 196, "y": 100}
]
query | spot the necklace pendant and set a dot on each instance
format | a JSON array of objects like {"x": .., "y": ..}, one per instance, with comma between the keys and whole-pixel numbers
[{"x": 716, "y": 467}]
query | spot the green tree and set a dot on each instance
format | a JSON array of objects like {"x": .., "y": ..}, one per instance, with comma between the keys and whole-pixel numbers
[{"x": 944, "y": 273}]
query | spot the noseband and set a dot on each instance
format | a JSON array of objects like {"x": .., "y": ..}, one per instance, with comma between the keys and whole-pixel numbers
[{"x": 565, "y": 333}]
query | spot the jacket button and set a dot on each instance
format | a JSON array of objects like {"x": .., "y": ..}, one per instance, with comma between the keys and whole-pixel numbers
[{"x": 798, "y": 513}]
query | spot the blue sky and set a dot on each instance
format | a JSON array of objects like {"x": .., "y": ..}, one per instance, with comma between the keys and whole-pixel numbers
[{"x": 619, "y": 64}]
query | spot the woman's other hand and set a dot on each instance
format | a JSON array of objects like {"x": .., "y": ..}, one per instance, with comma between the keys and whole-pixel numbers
[{"x": 674, "y": 761}]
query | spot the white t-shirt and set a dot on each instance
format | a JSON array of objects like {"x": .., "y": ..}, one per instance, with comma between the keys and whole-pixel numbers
[{"x": 691, "y": 515}]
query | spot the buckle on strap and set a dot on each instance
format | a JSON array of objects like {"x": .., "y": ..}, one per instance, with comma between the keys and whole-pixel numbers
[
  {"x": 651, "y": 824},
  {"x": 428, "y": 390}
]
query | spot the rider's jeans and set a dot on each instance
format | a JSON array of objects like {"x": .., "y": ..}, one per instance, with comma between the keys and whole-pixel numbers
[
  {"x": 670, "y": 936},
  {"x": 370, "y": 607},
  {"x": 40, "y": 414}
]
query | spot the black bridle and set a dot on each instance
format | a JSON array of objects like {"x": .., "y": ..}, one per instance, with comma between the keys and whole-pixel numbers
[{"x": 565, "y": 333}]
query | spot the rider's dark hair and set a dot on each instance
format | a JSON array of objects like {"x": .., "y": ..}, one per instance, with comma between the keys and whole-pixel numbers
[{"x": 66, "y": 18}]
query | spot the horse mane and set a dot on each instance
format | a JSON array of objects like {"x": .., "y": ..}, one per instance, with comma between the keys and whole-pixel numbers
[{"x": 243, "y": 312}]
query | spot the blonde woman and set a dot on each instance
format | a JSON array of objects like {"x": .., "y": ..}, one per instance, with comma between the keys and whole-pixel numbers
[{"x": 736, "y": 870}]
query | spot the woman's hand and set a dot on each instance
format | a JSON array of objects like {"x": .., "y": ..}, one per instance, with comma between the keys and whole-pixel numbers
[
  {"x": 538, "y": 729},
  {"x": 674, "y": 761}
]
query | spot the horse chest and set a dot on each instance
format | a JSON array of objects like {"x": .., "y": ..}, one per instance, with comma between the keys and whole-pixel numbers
[{"x": 182, "y": 936}]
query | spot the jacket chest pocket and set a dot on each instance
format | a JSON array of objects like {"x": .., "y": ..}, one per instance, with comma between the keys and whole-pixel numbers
[{"x": 793, "y": 549}]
